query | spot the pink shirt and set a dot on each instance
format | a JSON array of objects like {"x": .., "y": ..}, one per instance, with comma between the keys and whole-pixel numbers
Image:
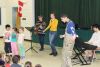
[
  {"x": 7, "y": 36},
  {"x": 7, "y": 65}
]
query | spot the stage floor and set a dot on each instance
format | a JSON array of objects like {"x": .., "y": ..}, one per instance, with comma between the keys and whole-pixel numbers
[{"x": 44, "y": 58}]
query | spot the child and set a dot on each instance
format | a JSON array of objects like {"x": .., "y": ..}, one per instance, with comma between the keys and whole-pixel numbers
[
  {"x": 69, "y": 40},
  {"x": 14, "y": 41},
  {"x": 1, "y": 60},
  {"x": 39, "y": 27},
  {"x": 38, "y": 65},
  {"x": 53, "y": 25},
  {"x": 15, "y": 61},
  {"x": 21, "y": 43},
  {"x": 7, "y": 61},
  {"x": 7, "y": 36},
  {"x": 28, "y": 64},
  {"x": 18, "y": 57}
]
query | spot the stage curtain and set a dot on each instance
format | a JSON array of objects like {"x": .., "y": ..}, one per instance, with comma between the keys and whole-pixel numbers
[
  {"x": 45, "y": 7},
  {"x": 89, "y": 12},
  {"x": 83, "y": 12}
]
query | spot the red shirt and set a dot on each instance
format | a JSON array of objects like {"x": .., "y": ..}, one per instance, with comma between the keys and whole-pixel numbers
[{"x": 7, "y": 65}]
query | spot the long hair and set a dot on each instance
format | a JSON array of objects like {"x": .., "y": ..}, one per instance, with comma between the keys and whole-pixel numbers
[{"x": 16, "y": 30}]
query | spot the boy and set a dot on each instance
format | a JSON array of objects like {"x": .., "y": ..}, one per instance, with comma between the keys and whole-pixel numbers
[
  {"x": 7, "y": 35},
  {"x": 95, "y": 40},
  {"x": 15, "y": 61},
  {"x": 69, "y": 40}
]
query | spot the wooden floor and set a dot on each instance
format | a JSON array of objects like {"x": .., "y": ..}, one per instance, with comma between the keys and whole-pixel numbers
[{"x": 44, "y": 58}]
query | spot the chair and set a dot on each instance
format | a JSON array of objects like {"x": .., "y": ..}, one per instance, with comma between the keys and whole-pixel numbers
[{"x": 79, "y": 50}]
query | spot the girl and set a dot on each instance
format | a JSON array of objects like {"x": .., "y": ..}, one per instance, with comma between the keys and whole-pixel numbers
[
  {"x": 14, "y": 41},
  {"x": 7, "y": 61},
  {"x": 53, "y": 25},
  {"x": 21, "y": 43},
  {"x": 40, "y": 26}
]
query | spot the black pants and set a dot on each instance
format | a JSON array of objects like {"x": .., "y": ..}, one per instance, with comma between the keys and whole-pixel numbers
[
  {"x": 7, "y": 47},
  {"x": 41, "y": 40},
  {"x": 80, "y": 44}
]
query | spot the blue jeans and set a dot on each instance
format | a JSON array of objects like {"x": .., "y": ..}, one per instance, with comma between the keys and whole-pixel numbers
[{"x": 52, "y": 40}]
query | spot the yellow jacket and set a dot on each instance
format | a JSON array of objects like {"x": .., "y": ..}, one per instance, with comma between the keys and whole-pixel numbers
[{"x": 52, "y": 25}]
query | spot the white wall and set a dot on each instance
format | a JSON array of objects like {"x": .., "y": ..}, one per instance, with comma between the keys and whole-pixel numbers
[
  {"x": 28, "y": 13},
  {"x": 3, "y": 16}
]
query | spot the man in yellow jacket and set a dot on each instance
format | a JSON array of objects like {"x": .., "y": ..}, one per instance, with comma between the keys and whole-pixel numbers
[{"x": 52, "y": 33}]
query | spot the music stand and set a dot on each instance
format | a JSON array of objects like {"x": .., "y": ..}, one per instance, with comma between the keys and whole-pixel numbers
[{"x": 31, "y": 29}]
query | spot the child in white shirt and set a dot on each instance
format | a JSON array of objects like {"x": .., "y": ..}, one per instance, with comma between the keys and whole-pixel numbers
[{"x": 7, "y": 39}]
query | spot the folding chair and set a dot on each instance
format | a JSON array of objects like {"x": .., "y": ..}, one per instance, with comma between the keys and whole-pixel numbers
[{"x": 79, "y": 50}]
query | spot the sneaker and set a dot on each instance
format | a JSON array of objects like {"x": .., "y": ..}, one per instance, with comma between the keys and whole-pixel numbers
[
  {"x": 41, "y": 49},
  {"x": 55, "y": 54},
  {"x": 51, "y": 54}
]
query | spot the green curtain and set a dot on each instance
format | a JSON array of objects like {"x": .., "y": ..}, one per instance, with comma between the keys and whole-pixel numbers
[
  {"x": 82, "y": 12},
  {"x": 89, "y": 12}
]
